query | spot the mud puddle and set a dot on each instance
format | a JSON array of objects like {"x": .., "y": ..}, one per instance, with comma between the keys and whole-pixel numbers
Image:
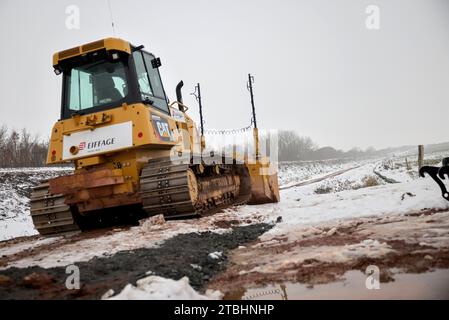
[{"x": 352, "y": 285}]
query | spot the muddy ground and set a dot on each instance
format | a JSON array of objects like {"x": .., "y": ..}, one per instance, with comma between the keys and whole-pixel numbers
[
  {"x": 415, "y": 244},
  {"x": 182, "y": 255},
  {"x": 253, "y": 256}
]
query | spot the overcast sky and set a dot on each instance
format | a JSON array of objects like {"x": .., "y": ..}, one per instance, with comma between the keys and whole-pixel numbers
[{"x": 318, "y": 69}]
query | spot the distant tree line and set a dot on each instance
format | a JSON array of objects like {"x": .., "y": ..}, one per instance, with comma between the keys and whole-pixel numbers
[
  {"x": 21, "y": 149},
  {"x": 293, "y": 147}
]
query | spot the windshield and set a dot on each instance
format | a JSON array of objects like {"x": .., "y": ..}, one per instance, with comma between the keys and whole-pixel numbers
[{"x": 96, "y": 84}]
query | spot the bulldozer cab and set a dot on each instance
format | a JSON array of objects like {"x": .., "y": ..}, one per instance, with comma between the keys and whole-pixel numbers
[{"x": 106, "y": 79}]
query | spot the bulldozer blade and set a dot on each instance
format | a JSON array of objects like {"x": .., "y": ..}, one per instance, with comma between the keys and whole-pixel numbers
[
  {"x": 437, "y": 174},
  {"x": 86, "y": 180},
  {"x": 264, "y": 187}
]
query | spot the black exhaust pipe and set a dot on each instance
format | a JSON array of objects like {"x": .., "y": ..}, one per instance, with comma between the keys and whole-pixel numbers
[{"x": 179, "y": 95}]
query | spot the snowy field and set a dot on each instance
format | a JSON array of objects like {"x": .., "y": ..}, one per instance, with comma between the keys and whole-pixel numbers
[
  {"x": 354, "y": 191},
  {"x": 291, "y": 172},
  {"x": 404, "y": 168}
]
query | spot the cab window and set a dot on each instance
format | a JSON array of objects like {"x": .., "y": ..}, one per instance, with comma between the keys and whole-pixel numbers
[
  {"x": 149, "y": 81},
  {"x": 97, "y": 84}
]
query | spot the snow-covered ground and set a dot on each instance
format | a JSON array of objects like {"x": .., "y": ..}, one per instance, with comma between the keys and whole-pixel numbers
[
  {"x": 291, "y": 172},
  {"x": 404, "y": 168},
  {"x": 356, "y": 192},
  {"x": 300, "y": 207},
  {"x": 159, "y": 288}
]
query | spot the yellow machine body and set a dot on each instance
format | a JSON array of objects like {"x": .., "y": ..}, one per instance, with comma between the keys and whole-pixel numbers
[{"x": 121, "y": 165}]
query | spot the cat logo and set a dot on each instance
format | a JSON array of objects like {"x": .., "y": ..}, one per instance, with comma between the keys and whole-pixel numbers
[{"x": 162, "y": 129}]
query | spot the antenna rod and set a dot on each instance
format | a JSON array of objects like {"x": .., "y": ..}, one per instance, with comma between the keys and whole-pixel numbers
[
  {"x": 250, "y": 87},
  {"x": 255, "y": 130},
  {"x": 197, "y": 95},
  {"x": 201, "y": 109},
  {"x": 112, "y": 18}
]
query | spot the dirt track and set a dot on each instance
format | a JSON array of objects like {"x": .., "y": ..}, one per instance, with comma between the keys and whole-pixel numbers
[
  {"x": 182, "y": 255},
  {"x": 415, "y": 243},
  {"x": 315, "y": 180}
]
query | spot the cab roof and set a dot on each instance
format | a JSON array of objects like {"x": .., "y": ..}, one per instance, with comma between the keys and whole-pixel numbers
[{"x": 107, "y": 43}]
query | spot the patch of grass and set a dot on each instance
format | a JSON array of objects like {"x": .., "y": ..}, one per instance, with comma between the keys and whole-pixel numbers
[
  {"x": 367, "y": 181},
  {"x": 323, "y": 190},
  {"x": 426, "y": 162},
  {"x": 432, "y": 162}
]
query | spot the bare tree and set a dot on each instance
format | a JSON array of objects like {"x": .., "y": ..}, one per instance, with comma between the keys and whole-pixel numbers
[
  {"x": 21, "y": 149},
  {"x": 294, "y": 147}
]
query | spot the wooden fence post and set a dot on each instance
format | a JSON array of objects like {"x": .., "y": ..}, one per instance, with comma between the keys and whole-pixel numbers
[{"x": 420, "y": 156}]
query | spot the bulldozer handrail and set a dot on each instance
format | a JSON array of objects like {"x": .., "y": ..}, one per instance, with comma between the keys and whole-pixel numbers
[{"x": 179, "y": 104}]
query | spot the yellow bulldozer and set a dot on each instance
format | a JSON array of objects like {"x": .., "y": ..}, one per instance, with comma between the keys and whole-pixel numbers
[{"x": 133, "y": 152}]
